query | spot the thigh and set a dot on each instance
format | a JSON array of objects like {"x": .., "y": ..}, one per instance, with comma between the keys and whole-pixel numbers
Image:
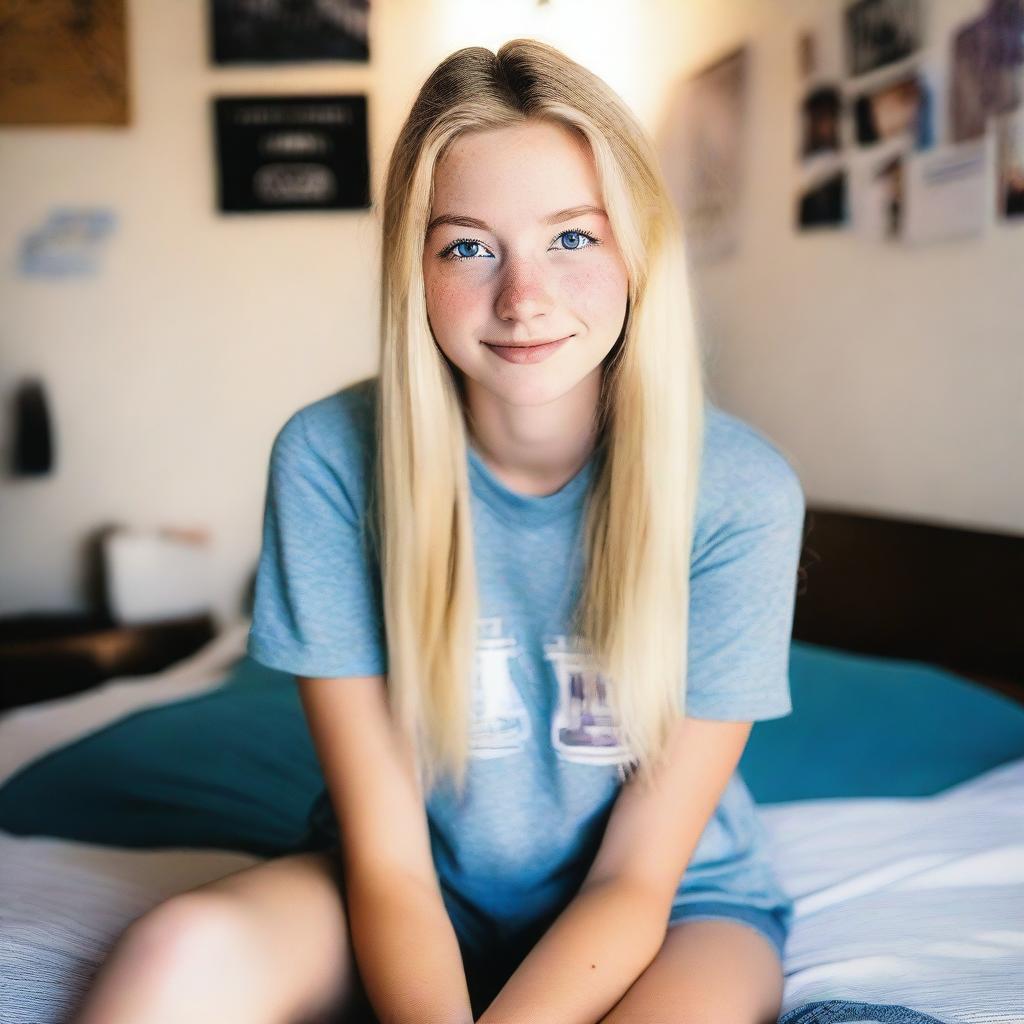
[
  {"x": 706, "y": 969},
  {"x": 269, "y": 941}
]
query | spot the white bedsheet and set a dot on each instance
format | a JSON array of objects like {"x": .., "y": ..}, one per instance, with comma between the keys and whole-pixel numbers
[{"x": 916, "y": 902}]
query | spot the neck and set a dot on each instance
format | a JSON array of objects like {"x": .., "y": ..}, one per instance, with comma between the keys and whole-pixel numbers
[{"x": 537, "y": 449}]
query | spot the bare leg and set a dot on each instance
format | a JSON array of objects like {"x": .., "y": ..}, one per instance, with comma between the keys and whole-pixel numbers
[
  {"x": 717, "y": 970},
  {"x": 265, "y": 945}
]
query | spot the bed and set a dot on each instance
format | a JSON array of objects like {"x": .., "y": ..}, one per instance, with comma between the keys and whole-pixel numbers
[{"x": 893, "y": 796}]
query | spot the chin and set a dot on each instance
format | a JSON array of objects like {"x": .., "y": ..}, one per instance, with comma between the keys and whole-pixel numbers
[{"x": 536, "y": 388}]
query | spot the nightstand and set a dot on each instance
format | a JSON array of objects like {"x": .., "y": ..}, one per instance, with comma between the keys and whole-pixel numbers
[{"x": 45, "y": 656}]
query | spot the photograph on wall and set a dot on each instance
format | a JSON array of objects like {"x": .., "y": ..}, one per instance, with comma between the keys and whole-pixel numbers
[
  {"x": 64, "y": 62},
  {"x": 898, "y": 108},
  {"x": 823, "y": 201},
  {"x": 947, "y": 193},
  {"x": 876, "y": 192},
  {"x": 988, "y": 68},
  {"x": 291, "y": 153},
  {"x": 820, "y": 114},
  {"x": 703, "y": 155},
  {"x": 877, "y": 198},
  {"x": 277, "y": 31},
  {"x": 1010, "y": 147},
  {"x": 881, "y": 32}
]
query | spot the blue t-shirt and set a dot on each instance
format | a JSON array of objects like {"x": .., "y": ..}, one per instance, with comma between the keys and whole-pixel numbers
[{"x": 543, "y": 773}]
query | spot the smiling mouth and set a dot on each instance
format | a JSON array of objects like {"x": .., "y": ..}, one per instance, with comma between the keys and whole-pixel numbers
[
  {"x": 529, "y": 352},
  {"x": 524, "y": 344}
]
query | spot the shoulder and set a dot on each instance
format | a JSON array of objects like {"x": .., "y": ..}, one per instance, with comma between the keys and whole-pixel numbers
[
  {"x": 332, "y": 424},
  {"x": 745, "y": 479},
  {"x": 332, "y": 440}
]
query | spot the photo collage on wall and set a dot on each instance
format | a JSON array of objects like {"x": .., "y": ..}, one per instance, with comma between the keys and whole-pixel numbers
[
  {"x": 702, "y": 153},
  {"x": 903, "y": 137},
  {"x": 289, "y": 152}
]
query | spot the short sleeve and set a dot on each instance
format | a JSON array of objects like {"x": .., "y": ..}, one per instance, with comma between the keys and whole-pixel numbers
[
  {"x": 316, "y": 607},
  {"x": 742, "y": 597}
]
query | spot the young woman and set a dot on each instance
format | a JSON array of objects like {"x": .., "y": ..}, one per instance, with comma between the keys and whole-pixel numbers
[{"x": 536, "y": 588}]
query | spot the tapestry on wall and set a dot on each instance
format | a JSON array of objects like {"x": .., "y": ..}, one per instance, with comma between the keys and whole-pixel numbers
[{"x": 63, "y": 62}]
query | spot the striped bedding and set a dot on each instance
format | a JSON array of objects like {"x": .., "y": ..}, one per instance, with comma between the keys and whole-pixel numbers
[{"x": 907, "y": 910}]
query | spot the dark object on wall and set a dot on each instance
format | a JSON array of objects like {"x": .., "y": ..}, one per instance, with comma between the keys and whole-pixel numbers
[
  {"x": 824, "y": 204},
  {"x": 879, "y": 32},
  {"x": 273, "y": 31},
  {"x": 909, "y": 589},
  {"x": 33, "y": 435},
  {"x": 291, "y": 153},
  {"x": 821, "y": 109}
]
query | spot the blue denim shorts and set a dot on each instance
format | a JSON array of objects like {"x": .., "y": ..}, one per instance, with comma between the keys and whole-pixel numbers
[
  {"x": 493, "y": 949},
  {"x": 772, "y": 924},
  {"x": 491, "y": 953}
]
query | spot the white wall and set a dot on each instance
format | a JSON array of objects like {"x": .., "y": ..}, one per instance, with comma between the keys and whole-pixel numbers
[{"x": 894, "y": 378}]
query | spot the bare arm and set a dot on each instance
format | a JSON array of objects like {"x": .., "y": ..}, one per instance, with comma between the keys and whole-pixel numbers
[
  {"x": 403, "y": 939},
  {"x": 407, "y": 951},
  {"x": 583, "y": 965},
  {"x": 613, "y": 928}
]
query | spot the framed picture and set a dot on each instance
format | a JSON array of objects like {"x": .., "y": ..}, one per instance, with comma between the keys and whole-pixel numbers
[
  {"x": 64, "y": 62},
  {"x": 880, "y": 32},
  {"x": 703, "y": 155},
  {"x": 988, "y": 66},
  {"x": 291, "y": 153},
  {"x": 820, "y": 113},
  {"x": 276, "y": 31}
]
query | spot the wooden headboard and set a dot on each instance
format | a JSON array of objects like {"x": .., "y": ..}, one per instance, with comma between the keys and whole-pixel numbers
[{"x": 908, "y": 589}]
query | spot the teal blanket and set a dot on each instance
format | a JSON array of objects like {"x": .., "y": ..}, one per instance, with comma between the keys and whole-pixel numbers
[{"x": 235, "y": 768}]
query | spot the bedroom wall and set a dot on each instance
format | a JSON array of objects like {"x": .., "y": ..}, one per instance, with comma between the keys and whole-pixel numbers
[{"x": 893, "y": 378}]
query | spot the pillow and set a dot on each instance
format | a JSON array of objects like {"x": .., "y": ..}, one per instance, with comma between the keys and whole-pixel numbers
[
  {"x": 231, "y": 769},
  {"x": 235, "y": 768},
  {"x": 866, "y": 726}
]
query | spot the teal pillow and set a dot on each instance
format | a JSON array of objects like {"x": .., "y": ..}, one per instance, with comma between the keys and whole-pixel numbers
[
  {"x": 231, "y": 769},
  {"x": 866, "y": 726},
  {"x": 235, "y": 768}
]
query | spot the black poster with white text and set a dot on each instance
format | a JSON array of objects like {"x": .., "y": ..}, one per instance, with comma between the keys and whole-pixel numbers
[{"x": 291, "y": 153}]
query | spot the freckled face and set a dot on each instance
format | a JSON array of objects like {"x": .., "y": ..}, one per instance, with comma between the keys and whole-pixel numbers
[{"x": 520, "y": 277}]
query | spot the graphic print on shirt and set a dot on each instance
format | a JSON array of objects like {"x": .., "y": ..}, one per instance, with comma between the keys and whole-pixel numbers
[
  {"x": 584, "y": 728},
  {"x": 500, "y": 723}
]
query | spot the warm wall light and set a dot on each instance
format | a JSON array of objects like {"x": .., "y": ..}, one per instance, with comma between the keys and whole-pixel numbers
[{"x": 581, "y": 28}]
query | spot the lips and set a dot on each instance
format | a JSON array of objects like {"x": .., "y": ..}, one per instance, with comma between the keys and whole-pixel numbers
[
  {"x": 523, "y": 344},
  {"x": 529, "y": 352}
]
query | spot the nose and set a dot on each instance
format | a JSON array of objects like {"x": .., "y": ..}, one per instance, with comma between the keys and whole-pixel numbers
[{"x": 522, "y": 293}]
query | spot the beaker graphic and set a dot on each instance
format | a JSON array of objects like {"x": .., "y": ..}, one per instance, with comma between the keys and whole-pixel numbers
[
  {"x": 500, "y": 723},
  {"x": 584, "y": 727}
]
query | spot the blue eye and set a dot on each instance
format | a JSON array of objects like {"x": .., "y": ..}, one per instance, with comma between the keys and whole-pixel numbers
[
  {"x": 574, "y": 239},
  {"x": 452, "y": 252},
  {"x": 579, "y": 237}
]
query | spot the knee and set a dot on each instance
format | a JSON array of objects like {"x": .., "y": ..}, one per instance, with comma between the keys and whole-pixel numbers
[{"x": 183, "y": 941}]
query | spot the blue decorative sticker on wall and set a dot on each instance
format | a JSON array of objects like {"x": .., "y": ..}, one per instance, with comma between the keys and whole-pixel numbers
[{"x": 69, "y": 244}]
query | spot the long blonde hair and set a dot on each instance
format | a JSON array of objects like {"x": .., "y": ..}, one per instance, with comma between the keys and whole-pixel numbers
[{"x": 632, "y": 611}]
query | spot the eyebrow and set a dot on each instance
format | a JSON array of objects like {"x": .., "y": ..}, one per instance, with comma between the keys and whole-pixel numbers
[{"x": 552, "y": 218}]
